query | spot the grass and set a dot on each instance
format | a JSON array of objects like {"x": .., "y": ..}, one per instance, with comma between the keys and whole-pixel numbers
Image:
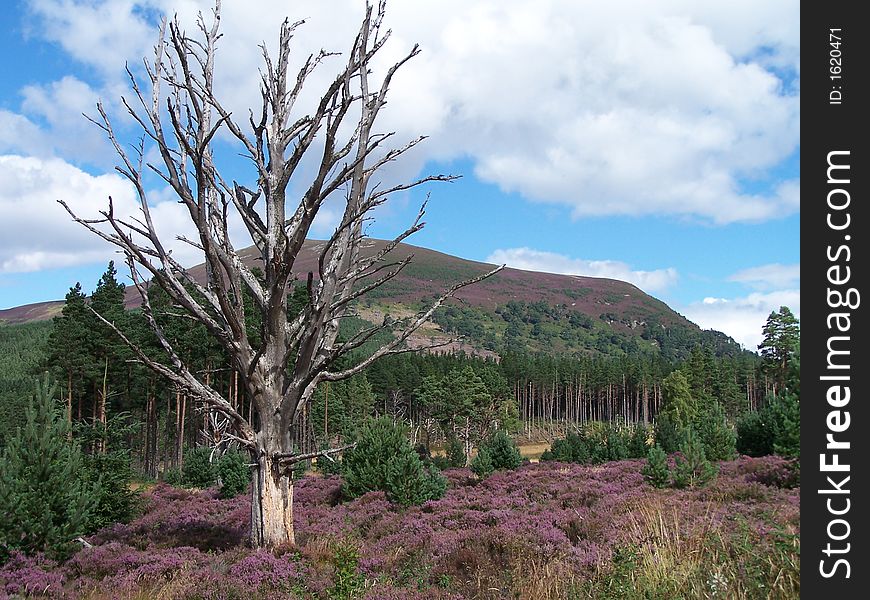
[{"x": 669, "y": 560}]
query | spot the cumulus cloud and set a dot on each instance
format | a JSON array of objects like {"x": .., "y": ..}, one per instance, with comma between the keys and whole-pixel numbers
[
  {"x": 631, "y": 107},
  {"x": 20, "y": 134},
  {"x": 743, "y": 317},
  {"x": 38, "y": 234},
  {"x": 60, "y": 107},
  {"x": 769, "y": 277},
  {"x": 100, "y": 34},
  {"x": 550, "y": 262}
]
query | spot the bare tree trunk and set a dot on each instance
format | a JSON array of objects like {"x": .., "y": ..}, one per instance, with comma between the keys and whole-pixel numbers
[{"x": 271, "y": 505}]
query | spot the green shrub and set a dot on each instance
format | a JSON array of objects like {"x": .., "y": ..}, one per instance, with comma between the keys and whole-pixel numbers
[
  {"x": 382, "y": 457},
  {"x": 503, "y": 452},
  {"x": 198, "y": 470},
  {"x": 637, "y": 446},
  {"x": 714, "y": 433},
  {"x": 692, "y": 468},
  {"x": 46, "y": 499},
  {"x": 234, "y": 473},
  {"x": 481, "y": 465},
  {"x": 668, "y": 434},
  {"x": 408, "y": 482},
  {"x": 455, "y": 453},
  {"x": 348, "y": 582},
  {"x": 173, "y": 477},
  {"x": 656, "y": 471}
]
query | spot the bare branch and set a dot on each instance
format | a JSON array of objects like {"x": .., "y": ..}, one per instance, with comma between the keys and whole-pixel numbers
[{"x": 290, "y": 458}]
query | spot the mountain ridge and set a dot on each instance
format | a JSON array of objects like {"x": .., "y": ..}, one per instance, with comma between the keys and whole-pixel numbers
[{"x": 525, "y": 304}]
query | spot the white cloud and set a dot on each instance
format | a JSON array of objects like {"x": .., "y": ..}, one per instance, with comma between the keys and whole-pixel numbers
[
  {"x": 769, "y": 277},
  {"x": 20, "y": 134},
  {"x": 550, "y": 262},
  {"x": 742, "y": 318},
  {"x": 631, "y": 107},
  {"x": 101, "y": 34},
  {"x": 38, "y": 233},
  {"x": 61, "y": 106}
]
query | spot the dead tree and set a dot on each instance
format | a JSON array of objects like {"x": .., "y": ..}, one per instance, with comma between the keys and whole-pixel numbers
[{"x": 180, "y": 116}]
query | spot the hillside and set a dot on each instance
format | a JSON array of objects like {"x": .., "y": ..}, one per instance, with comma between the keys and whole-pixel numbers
[{"x": 523, "y": 309}]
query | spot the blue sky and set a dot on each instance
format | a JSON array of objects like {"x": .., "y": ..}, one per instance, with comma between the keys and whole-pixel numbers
[{"x": 652, "y": 141}]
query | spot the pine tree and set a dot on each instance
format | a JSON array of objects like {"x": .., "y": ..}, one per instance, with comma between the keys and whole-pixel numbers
[
  {"x": 482, "y": 465},
  {"x": 108, "y": 351},
  {"x": 455, "y": 453},
  {"x": 408, "y": 482},
  {"x": 384, "y": 460},
  {"x": 781, "y": 341},
  {"x": 678, "y": 401},
  {"x": 656, "y": 471},
  {"x": 502, "y": 450},
  {"x": 787, "y": 441},
  {"x": 44, "y": 497},
  {"x": 716, "y": 436},
  {"x": 68, "y": 346},
  {"x": 637, "y": 444},
  {"x": 691, "y": 468},
  {"x": 756, "y": 432}
]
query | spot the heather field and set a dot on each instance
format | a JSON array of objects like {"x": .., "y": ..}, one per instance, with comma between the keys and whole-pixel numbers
[{"x": 548, "y": 530}]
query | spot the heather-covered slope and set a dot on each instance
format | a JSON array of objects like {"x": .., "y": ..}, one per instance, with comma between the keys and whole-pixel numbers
[{"x": 530, "y": 310}]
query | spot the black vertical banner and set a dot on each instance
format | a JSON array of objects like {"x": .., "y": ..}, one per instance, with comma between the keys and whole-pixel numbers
[{"x": 835, "y": 372}]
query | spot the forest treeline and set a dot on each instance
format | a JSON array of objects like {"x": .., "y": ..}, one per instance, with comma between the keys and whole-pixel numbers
[{"x": 538, "y": 396}]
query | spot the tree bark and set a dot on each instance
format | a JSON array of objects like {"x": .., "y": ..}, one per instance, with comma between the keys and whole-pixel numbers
[{"x": 272, "y": 490}]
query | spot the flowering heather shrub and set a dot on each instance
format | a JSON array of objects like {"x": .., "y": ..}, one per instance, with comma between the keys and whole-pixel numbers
[
  {"x": 551, "y": 530},
  {"x": 262, "y": 569},
  {"x": 773, "y": 471},
  {"x": 30, "y": 576},
  {"x": 176, "y": 517}
]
